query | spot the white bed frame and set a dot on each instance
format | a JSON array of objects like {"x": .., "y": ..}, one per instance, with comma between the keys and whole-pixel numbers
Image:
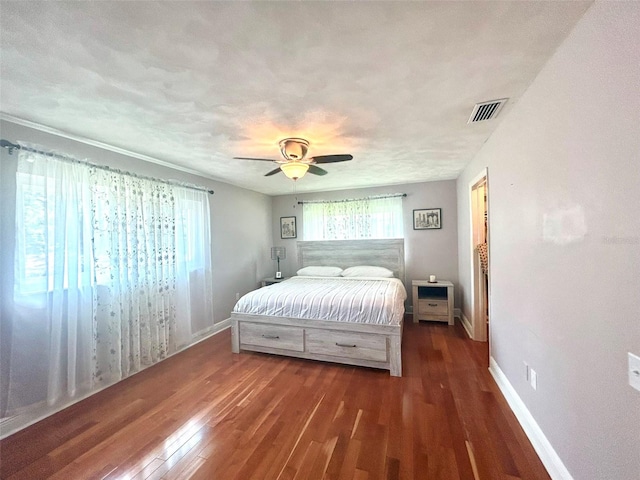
[{"x": 369, "y": 345}]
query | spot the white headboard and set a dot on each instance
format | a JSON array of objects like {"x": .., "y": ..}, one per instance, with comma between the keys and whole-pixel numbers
[{"x": 388, "y": 253}]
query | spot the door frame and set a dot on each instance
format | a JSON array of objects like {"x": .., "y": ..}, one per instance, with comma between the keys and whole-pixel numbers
[{"x": 479, "y": 328}]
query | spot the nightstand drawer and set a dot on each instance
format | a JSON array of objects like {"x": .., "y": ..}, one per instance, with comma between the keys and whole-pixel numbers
[
  {"x": 272, "y": 336},
  {"x": 353, "y": 345},
  {"x": 433, "y": 307}
]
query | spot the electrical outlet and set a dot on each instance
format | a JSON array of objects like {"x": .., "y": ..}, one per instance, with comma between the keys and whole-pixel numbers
[
  {"x": 634, "y": 371},
  {"x": 237, "y": 296},
  {"x": 533, "y": 378}
]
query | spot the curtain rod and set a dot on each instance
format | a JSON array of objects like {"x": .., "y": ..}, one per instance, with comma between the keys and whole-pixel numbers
[
  {"x": 14, "y": 146},
  {"x": 373, "y": 197}
]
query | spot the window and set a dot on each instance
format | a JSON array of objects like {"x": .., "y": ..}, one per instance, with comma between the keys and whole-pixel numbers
[
  {"x": 41, "y": 202},
  {"x": 63, "y": 223},
  {"x": 31, "y": 273},
  {"x": 374, "y": 217}
]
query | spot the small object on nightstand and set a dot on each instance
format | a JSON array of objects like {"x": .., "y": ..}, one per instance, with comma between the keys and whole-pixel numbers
[
  {"x": 432, "y": 279},
  {"x": 432, "y": 300},
  {"x": 271, "y": 280}
]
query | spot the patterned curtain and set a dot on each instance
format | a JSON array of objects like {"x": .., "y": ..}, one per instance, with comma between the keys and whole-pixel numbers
[
  {"x": 102, "y": 260},
  {"x": 353, "y": 219},
  {"x": 134, "y": 252}
]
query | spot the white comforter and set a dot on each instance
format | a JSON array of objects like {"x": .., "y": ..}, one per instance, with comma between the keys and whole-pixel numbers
[{"x": 361, "y": 300}]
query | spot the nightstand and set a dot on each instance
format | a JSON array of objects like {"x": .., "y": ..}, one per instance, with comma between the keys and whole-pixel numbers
[
  {"x": 272, "y": 280},
  {"x": 432, "y": 301}
]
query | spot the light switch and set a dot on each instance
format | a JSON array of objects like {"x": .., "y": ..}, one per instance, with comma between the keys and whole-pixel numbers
[{"x": 634, "y": 371}]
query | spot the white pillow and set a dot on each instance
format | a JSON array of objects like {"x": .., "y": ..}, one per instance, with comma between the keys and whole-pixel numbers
[
  {"x": 314, "y": 271},
  {"x": 367, "y": 271}
]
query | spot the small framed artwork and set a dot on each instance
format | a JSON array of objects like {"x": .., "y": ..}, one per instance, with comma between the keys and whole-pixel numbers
[
  {"x": 427, "y": 219},
  {"x": 288, "y": 227}
]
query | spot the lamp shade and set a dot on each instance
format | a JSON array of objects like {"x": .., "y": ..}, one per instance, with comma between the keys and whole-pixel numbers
[
  {"x": 278, "y": 253},
  {"x": 294, "y": 170}
]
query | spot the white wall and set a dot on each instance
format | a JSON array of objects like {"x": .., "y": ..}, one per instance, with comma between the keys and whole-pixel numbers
[
  {"x": 427, "y": 252},
  {"x": 240, "y": 218},
  {"x": 564, "y": 188}
]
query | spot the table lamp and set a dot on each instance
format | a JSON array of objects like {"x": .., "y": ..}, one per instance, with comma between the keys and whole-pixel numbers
[{"x": 276, "y": 254}]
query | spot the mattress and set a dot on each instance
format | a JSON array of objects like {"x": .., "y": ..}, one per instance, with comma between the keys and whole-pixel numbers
[{"x": 371, "y": 300}]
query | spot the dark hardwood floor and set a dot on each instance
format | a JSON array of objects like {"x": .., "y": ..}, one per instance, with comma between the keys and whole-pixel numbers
[{"x": 209, "y": 414}]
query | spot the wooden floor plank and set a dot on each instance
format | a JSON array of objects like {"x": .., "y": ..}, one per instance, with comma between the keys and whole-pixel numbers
[{"x": 207, "y": 413}]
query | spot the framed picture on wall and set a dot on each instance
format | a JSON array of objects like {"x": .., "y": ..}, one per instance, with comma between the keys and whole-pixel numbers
[
  {"x": 288, "y": 227},
  {"x": 427, "y": 219}
]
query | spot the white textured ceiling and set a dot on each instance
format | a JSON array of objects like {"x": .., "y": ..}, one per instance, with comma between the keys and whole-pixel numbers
[{"x": 197, "y": 83}]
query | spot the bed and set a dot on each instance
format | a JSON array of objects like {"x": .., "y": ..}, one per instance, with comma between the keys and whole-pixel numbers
[{"x": 368, "y": 335}]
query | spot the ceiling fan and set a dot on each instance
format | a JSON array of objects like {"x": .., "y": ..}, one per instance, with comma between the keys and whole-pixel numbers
[{"x": 295, "y": 164}]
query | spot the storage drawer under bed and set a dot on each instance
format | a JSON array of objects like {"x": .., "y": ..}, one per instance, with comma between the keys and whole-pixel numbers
[
  {"x": 272, "y": 336},
  {"x": 345, "y": 344}
]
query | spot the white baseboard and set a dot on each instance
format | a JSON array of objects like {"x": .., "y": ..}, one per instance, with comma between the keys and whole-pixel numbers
[
  {"x": 212, "y": 330},
  {"x": 466, "y": 324},
  {"x": 542, "y": 446},
  {"x": 14, "y": 424}
]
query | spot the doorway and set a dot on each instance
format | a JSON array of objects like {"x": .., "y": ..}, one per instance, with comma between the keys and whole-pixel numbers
[{"x": 480, "y": 293}]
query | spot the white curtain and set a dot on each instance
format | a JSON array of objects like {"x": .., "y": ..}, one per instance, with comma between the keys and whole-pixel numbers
[
  {"x": 353, "y": 219},
  {"x": 112, "y": 274}
]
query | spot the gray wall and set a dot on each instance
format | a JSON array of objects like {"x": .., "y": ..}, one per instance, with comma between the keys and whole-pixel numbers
[
  {"x": 427, "y": 252},
  {"x": 240, "y": 219},
  {"x": 564, "y": 183}
]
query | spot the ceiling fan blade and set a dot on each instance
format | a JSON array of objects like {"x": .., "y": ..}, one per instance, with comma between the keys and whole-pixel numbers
[
  {"x": 331, "y": 158},
  {"x": 259, "y": 159},
  {"x": 317, "y": 170},
  {"x": 272, "y": 172}
]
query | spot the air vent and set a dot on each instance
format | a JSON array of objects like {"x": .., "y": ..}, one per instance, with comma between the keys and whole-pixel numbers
[{"x": 486, "y": 110}]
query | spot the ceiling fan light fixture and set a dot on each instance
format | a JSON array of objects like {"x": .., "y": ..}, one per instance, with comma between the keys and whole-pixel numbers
[
  {"x": 294, "y": 170},
  {"x": 294, "y": 149},
  {"x": 294, "y": 164}
]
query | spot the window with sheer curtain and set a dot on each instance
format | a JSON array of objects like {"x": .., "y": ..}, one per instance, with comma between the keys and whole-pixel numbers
[
  {"x": 373, "y": 217},
  {"x": 111, "y": 273}
]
